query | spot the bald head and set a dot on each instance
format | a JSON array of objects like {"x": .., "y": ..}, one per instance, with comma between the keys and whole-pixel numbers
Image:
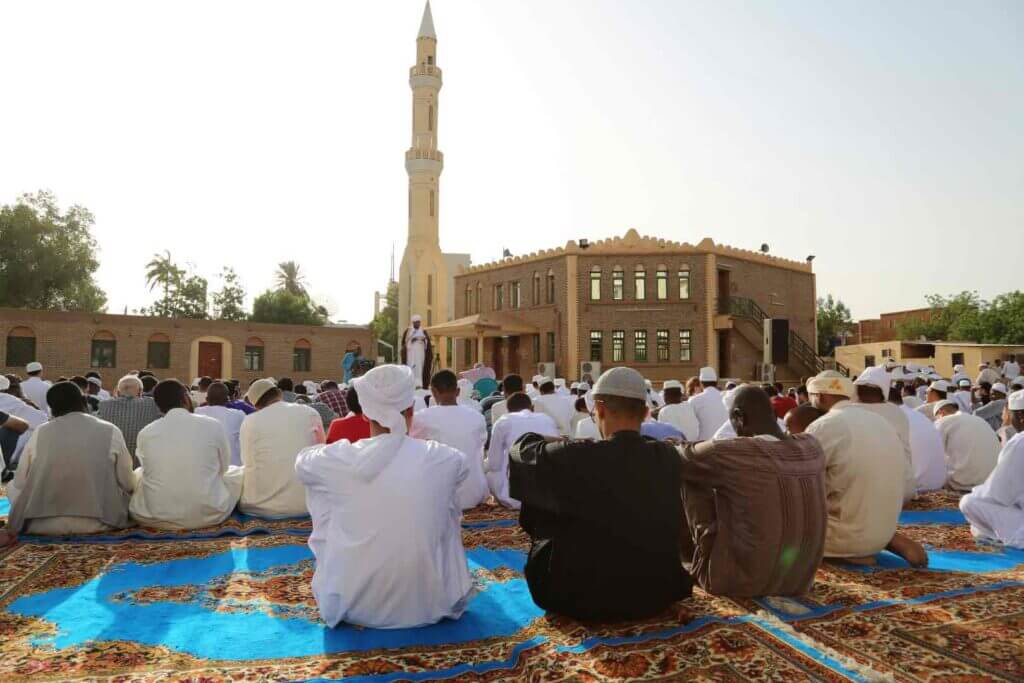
[
  {"x": 752, "y": 413},
  {"x": 800, "y": 418},
  {"x": 217, "y": 394}
]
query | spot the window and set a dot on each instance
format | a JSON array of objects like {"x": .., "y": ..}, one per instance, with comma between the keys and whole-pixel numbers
[
  {"x": 499, "y": 297},
  {"x": 663, "y": 350},
  {"x": 104, "y": 350},
  {"x": 956, "y": 359},
  {"x": 551, "y": 286},
  {"x": 430, "y": 60},
  {"x": 595, "y": 283},
  {"x": 596, "y": 341},
  {"x": 430, "y": 118},
  {"x": 684, "y": 282},
  {"x": 640, "y": 345},
  {"x": 21, "y": 347},
  {"x": 158, "y": 352},
  {"x": 618, "y": 346},
  {"x": 617, "y": 283},
  {"x": 640, "y": 283},
  {"x": 869, "y": 361},
  {"x": 685, "y": 345},
  {"x": 536, "y": 289},
  {"x": 479, "y": 297},
  {"x": 430, "y": 317},
  {"x": 551, "y": 346},
  {"x": 536, "y": 348},
  {"x": 467, "y": 352},
  {"x": 513, "y": 295},
  {"x": 302, "y": 356},
  {"x": 661, "y": 282},
  {"x": 469, "y": 300},
  {"x": 253, "y": 358},
  {"x": 886, "y": 353},
  {"x": 431, "y": 202},
  {"x": 430, "y": 290}
]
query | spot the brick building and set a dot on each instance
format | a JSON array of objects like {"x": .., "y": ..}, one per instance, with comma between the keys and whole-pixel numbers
[
  {"x": 886, "y": 326},
  {"x": 113, "y": 345},
  {"x": 665, "y": 308}
]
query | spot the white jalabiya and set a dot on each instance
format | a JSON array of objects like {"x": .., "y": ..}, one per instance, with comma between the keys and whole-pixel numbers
[
  {"x": 503, "y": 435},
  {"x": 912, "y": 402},
  {"x": 270, "y": 439},
  {"x": 35, "y": 389},
  {"x": 231, "y": 420},
  {"x": 574, "y": 425},
  {"x": 1011, "y": 370},
  {"x": 963, "y": 399},
  {"x": 682, "y": 417},
  {"x": 710, "y": 411},
  {"x": 927, "y": 410},
  {"x": 12, "y": 405},
  {"x": 465, "y": 430},
  {"x": 863, "y": 481},
  {"x": 558, "y": 408},
  {"x": 972, "y": 449},
  {"x": 386, "y": 531},
  {"x": 587, "y": 429},
  {"x": 926, "y": 451},
  {"x": 995, "y": 509},
  {"x": 416, "y": 352},
  {"x": 901, "y": 425},
  {"x": 185, "y": 479},
  {"x": 922, "y": 394},
  {"x": 499, "y": 410}
]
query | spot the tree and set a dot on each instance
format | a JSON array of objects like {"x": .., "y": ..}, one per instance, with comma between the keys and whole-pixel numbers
[
  {"x": 969, "y": 318},
  {"x": 834, "y": 321},
  {"x": 385, "y": 323},
  {"x": 48, "y": 258},
  {"x": 285, "y": 307},
  {"x": 229, "y": 300},
  {"x": 290, "y": 279},
  {"x": 184, "y": 295}
]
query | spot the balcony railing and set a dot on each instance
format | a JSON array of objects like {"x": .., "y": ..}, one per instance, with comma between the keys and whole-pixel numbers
[
  {"x": 425, "y": 70},
  {"x": 431, "y": 154}
]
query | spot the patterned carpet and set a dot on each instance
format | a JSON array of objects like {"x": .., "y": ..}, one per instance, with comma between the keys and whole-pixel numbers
[{"x": 234, "y": 603}]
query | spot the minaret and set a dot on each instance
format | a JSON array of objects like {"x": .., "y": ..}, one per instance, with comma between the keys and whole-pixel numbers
[{"x": 423, "y": 279}]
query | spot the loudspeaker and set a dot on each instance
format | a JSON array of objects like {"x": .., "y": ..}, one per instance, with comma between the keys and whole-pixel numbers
[{"x": 776, "y": 341}]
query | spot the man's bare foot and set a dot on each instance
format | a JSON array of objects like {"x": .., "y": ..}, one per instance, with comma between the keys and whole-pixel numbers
[{"x": 909, "y": 549}]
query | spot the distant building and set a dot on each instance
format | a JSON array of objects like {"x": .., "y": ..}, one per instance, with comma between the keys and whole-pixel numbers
[
  {"x": 943, "y": 355},
  {"x": 886, "y": 327}
]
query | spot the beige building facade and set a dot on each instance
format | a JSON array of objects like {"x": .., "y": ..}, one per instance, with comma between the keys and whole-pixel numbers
[{"x": 942, "y": 355}]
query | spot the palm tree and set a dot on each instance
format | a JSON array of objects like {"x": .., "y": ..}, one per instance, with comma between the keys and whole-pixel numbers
[
  {"x": 162, "y": 271},
  {"x": 290, "y": 279}
]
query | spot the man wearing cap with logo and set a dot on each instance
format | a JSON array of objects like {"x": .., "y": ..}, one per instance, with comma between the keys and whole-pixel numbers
[
  {"x": 386, "y": 522},
  {"x": 872, "y": 389},
  {"x": 708, "y": 406},
  {"x": 604, "y": 517},
  {"x": 864, "y": 476},
  {"x": 995, "y": 509},
  {"x": 270, "y": 439},
  {"x": 971, "y": 446},
  {"x": 35, "y": 387}
]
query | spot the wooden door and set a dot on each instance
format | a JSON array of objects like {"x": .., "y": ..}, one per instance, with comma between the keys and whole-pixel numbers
[
  {"x": 210, "y": 354},
  {"x": 723, "y": 292},
  {"x": 513, "y": 356},
  {"x": 497, "y": 363},
  {"x": 724, "y": 353}
]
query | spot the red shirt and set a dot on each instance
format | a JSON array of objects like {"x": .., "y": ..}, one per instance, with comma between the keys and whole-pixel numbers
[
  {"x": 781, "y": 404},
  {"x": 352, "y": 427}
]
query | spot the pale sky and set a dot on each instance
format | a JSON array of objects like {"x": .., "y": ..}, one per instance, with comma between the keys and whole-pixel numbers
[{"x": 886, "y": 138}]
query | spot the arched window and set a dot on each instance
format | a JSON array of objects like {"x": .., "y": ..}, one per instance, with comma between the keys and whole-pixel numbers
[
  {"x": 618, "y": 283},
  {"x": 684, "y": 281},
  {"x": 158, "y": 352},
  {"x": 253, "y": 354},
  {"x": 104, "y": 350},
  {"x": 479, "y": 296},
  {"x": 21, "y": 346},
  {"x": 661, "y": 282},
  {"x": 302, "y": 356},
  {"x": 595, "y": 283},
  {"x": 536, "y": 289},
  {"x": 468, "y": 303},
  {"x": 551, "y": 286},
  {"x": 640, "y": 282}
]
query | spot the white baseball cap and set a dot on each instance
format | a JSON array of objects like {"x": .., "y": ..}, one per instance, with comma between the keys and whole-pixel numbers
[
  {"x": 34, "y": 366},
  {"x": 708, "y": 374}
]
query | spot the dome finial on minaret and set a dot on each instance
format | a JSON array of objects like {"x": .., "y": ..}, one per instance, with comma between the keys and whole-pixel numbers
[{"x": 427, "y": 25}]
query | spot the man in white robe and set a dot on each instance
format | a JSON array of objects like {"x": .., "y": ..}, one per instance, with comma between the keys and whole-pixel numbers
[
  {"x": 417, "y": 352},
  {"x": 555, "y": 406},
  {"x": 995, "y": 509},
  {"x": 937, "y": 392},
  {"x": 520, "y": 419},
  {"x": 466, "y": 396},
  {"x": 872, "y": 389},
  {"x": 971, "y": 446},
  {"x": 386, "y": 524},
  {"x": 12, "y": 405},
  {"x": 35, "y": 387},
  {"x": 459, "y": 427},
  {"x": 217, "y": 397},
  {"x": 1011, "y": 369},
  {"x": 708, "y": 406},
  {"x": 926, "y": 451},
  {"x": 678, "y": 412},
  {"x": 185, "y": 479}
]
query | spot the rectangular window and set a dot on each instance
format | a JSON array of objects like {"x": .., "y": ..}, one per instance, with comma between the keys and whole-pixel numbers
[
  {"x": 302, "y": 360},
  {"x": 158, "y": 355},
  {"x": 431, "y": 202},
  {"x": 618, "y": 346},
  {"x": 957, "y": 359},
  {"x": 663, "y": 349},
  {"x": 513, "y": 295},
  {"x": 640, "y": 285},
  {"x": 104, "y": 353},
  {"x": 617, "y": 285},
  {"x": 595, "y": 285},
  {"x": 869, "y": 361},
  {"x": 499, "y": 297},
  {"x": 430, "y": 290},
  {"x": 536, "y": 348},
  {"x": 661, "y": 283},
  {"x": 469, "y": 301},
  {"x": 536, "y": 290},
  {"x": 253, "y": 357},
  {"x": 640, "y": 345},
  {"x": 685, "y": 345},
  {"x": 467, "y": 352},
  {"x": 551, "y": 287},
  {"x": 684, "y": 284},
  {"x": 20, "y": 351},
  {"x": 551, "y": 346},
  {"x": 596, "y": 343}
]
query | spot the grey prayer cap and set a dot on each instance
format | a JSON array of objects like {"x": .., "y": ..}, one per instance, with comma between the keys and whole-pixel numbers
[{"x": 624, "y": 382}]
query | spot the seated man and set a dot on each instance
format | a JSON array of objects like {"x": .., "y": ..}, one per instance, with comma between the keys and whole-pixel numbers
[
  {"x": 937, "y": 391},
  {"x": 270, "y": 439},
  {"x": 354, "y": 426},
  {"x": 872, "y": 387},
  {"x": 863, "y": 481},
  {"x": 773, "y": 482},
  {"x": 972, "y": 448},
  {"x": 995, "y": 509},
  {"x": 217, "y": 398},
  {"x": 332, "y": 395},
  {"x": 520, "y": 419},
  {"x": 926, "y": 451},
  {"x": 386, "y": 524},
  {"x": 460, "y": 427},
  {"x": 130, "y": 411},
  {"x": 992, "y": 411},
  {"x": 75, "y": 475},
  {"x": 800, "y": 418},
  {"x": 677, "y": 412},
  {"x": 604, "y": 517},
  {"x": 185, "y": 479},
  {"x": 558, "y": 407},
  {"x": 11, "y": 428}
]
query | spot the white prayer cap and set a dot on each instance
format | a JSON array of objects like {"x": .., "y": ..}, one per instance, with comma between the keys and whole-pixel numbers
[
  {"x": 623, "y": 382},
  {"x": 1000, "y": 387},
  {"x": 537, "y": 379},
  {"x": 890, "y": 363},
  {"x": 1016, "y": 400},
  {"x": 708, "y": 374},
  {"x": 939, "y": 385},
  {"x": 958, "y": 368},
  {"x": 385, "y": 392},
  {"x": 258, "y": 388},
  {"x": 832, "y": 383},
  {"x": 575, "y": 385},
  {"x": 559, "y": 382},
  {"x": 875, "y": 377},
  {"x": 95, "y": 380},
  {"x": 416, "y": 319},
  {"x": 944, "y": 404},
  {"x": 1017, "y": 383},
  {"x": 672, "y": 384},
  {"x": 34, "y": 366},
  {"x": 584, "y": 386},
  {"x": 964, "y": 383},
  {"x": 311, "y": 386},
  {"x": 5, "y": 383}
]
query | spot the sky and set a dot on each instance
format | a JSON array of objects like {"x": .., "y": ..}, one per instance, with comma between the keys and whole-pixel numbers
[{"x": 884, "y": 138}]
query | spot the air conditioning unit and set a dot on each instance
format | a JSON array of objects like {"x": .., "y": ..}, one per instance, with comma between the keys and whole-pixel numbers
[
  {"x": 546, "y": 369},
  {"x": 589, "y": 371}
]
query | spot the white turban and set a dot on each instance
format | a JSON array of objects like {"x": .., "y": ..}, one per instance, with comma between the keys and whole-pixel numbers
[
  {"x": 385, "y": 392},
  {"x": 415, "y": 319},
  {"x": 827, "y": 382}
]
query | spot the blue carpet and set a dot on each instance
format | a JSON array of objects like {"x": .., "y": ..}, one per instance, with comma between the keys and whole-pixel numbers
[
  {"x": 912, "y": 517},
  {"x": 5, "y": 507}
]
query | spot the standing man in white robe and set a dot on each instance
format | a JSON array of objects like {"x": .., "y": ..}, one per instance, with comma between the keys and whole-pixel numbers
[
  {"x": 1011, "y": 369},
  {"x": 418, "y": 352},
  {"x": 708, "y": 406},
  {"x": 386, "y": 524},
  {"x": 520, "y": 419},
  {"x": 457, "y": 426},
  {"x": 995, "y": 509},
  {"x": 35, "y": 387},
  {"x": 971, "y": 446}
]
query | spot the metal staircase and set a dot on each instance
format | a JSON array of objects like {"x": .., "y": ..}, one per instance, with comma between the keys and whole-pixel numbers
[{"x": 741, "y": 307}]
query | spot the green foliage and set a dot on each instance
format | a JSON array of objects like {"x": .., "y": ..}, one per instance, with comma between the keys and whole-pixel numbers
[
  {"x": 48, "y": 258},
  {"x": 290, "y": 279},
  {"x": 229, "y": 300},
  {"x": 834, "y": 321},
  {"x": 969, "y": 318},
  {"x": 184, "y": 296},
  {"x": 285, "y": 307},
  {"x": 385, "y": 323}
]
